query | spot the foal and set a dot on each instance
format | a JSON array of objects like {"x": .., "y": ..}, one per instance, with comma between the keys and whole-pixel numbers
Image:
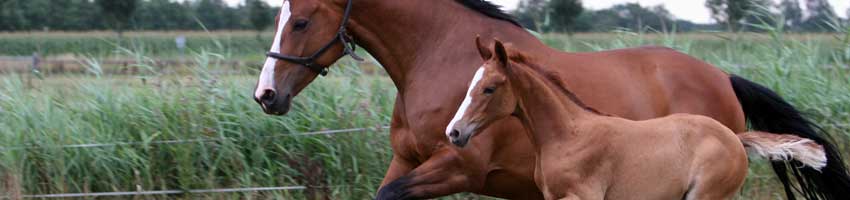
[{"x": 582, "y": 154}]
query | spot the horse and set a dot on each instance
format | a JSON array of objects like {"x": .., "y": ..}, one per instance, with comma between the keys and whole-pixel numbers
[
  {"x": 417, "y": 43},
  {"x": 584, "y": 154}
]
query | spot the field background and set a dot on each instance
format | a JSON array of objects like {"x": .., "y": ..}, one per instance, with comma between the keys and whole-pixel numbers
[{"x": 92, "y": 87}]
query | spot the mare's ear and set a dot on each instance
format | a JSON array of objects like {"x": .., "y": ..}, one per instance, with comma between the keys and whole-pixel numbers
[{"x": 483, "y": 50}]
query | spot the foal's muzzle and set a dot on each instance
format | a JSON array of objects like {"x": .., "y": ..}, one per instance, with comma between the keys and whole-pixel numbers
[
  {"x": 461, "y": 133},
  {"x": 274, "y": 103}
]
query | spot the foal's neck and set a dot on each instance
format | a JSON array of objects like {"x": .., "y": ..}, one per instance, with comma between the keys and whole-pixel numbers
[
  {"x": 411, "y": 38},
  {"x": 547, "y": 109}
]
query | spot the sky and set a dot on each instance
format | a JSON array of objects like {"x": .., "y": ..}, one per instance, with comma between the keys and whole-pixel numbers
[{"x": 693, "y": 10}]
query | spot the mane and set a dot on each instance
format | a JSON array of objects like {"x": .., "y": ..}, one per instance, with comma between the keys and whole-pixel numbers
[
  {"x": 553, "y": 78},
  {"x": 489, "y": 9}
]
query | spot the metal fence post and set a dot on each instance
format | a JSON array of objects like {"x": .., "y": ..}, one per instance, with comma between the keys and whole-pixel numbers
[{"x": 34, "y": 68}]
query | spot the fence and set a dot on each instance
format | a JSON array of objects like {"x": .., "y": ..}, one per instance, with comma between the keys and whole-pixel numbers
[
  {"x": 168, "y": 142},
  {"x": 79, "y": 65}
]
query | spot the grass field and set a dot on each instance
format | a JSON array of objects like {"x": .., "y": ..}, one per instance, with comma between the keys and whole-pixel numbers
[{"x": 251, "y": 149}]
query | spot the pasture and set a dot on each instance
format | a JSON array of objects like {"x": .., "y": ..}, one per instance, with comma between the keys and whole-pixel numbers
[{"x": 232, "y": 144}]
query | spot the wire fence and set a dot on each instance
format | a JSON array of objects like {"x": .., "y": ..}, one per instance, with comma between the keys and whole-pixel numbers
[
  {"x": 196, "y": 140},
  {"x": 169, "y": 142},
  {"x": 159, "y": 192}
]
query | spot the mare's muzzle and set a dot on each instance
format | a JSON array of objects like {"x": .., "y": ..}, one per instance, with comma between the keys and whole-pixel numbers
[{"x": 274, "y": 103}]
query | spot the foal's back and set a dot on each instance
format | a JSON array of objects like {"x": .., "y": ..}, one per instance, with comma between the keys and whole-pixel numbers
[{"x": 672, "y": 157}]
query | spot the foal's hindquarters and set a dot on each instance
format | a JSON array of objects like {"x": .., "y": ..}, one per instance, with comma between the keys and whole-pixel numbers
[{"x": 676, "y": 157}]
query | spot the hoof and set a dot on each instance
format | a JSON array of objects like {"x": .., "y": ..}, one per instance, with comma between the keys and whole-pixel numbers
[{"x": 396, "y": 190}]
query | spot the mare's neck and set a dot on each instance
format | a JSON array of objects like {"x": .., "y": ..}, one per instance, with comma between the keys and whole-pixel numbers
[
  {"x": 546, "y": 110},
  {"x": 412, "y": 38}
]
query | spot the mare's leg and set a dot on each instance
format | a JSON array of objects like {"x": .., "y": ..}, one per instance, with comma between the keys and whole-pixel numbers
[{"x": 444, "y": 173}]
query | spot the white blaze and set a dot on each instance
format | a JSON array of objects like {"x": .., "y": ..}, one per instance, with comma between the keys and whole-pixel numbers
[
  {"x": 466, "y": 101},
  {"x": 266, "y": 81}
]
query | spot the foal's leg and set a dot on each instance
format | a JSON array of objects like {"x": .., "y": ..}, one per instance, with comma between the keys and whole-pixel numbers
[{"x": 720, "y": 180}]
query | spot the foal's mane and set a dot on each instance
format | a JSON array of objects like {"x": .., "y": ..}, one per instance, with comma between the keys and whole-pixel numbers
[
  {"x": 551, "y": 76},
  {"x": 489, "y": 9}
]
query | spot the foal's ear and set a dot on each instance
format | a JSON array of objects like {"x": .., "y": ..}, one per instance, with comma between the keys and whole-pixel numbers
[
  {"x": 483, "y": 50},
  {"x": 501, "y": 52}
]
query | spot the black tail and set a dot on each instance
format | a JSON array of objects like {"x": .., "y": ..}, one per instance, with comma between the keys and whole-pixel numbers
[{"x": 767, "y": 111}]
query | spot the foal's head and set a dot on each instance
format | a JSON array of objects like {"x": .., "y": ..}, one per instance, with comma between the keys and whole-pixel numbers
[{"x": 488, "y": 98}]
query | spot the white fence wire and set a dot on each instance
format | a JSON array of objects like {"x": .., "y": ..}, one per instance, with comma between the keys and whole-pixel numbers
[
  {"x": 197, "y": 140},
  {"x": 167, "y": 142},
  {"x": 160, "y": 192}
]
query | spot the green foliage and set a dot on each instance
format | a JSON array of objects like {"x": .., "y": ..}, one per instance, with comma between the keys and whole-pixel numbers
[
  {"x": 243, "y": 147},
  {"x": 531, "y": 13},
  {"x": 821, "y": 14},
  {"x": 562, "y": 14},
  {"x": 631, "y": 16},
  {"x": 153, "y": 44},
  {"x": 216, "y": 15},
  {"x": 117, "y": 12},
  {"x": 260, "y": 15},
  {"x": 792, "y": 12},
  {"x": 27, "y": 15},
  {"x": 735, "y": 13},
  {"x": 254, "y": 149}
]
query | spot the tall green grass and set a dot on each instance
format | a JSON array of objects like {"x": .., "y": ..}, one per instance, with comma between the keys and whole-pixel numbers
[{"x": 253, "y": 149}]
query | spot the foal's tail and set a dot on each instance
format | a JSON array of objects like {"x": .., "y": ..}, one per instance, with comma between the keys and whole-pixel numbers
[
  {"x": 768, "y": 112},
  {"x": 784, "y": 147}
]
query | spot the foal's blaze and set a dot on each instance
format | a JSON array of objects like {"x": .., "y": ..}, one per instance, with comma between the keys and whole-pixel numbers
[{"x": 302, "y": 28}]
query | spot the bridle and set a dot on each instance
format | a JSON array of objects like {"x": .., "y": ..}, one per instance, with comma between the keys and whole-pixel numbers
[{"x": 341, "y": 36}]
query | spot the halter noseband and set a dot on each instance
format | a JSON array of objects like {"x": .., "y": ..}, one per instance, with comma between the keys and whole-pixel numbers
[{"x": 341, "y": 36}]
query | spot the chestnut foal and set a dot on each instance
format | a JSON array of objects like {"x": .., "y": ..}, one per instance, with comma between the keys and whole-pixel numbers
[{"x": 582, "y": 154}]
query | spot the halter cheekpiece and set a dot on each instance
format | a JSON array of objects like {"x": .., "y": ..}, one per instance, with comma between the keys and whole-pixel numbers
[{"x": 341, "y": 36}]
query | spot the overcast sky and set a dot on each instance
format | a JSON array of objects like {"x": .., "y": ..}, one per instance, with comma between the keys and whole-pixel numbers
[{"x": 693, "y": 10}]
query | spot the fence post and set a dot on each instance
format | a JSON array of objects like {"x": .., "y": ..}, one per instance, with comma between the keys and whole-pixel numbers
[{"x": 34, "y": 68}]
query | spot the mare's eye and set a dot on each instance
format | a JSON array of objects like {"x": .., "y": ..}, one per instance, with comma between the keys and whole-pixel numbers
[
  {"x": 489, "y": 90},
  {"x": 301, "y": 24}
]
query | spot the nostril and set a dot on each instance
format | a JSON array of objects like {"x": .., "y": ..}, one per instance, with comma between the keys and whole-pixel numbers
[
  {"x": 454, "y": 133},
  {"x": 268, "y": 96}
]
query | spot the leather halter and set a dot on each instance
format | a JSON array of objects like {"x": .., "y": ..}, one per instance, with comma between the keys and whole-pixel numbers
[{"x": 341, "y": 36}]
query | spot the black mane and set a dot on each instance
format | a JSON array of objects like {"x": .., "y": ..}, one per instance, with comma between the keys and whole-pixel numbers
[{"x": 489, "y": 9}]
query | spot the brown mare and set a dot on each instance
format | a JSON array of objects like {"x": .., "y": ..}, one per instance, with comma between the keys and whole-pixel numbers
[
  {"x": 582, "y": 154},
  {"x": 419, "y": 43}
]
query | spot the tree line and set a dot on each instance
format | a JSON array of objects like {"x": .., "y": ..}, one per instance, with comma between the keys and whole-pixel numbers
[
  {"x": 730, "y": 15},
  {"x": 538, "y": 15},
  {"x": 78, "y": 15}
]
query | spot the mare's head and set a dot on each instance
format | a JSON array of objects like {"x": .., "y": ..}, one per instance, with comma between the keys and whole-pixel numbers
[
  {"x": 489, "y": 97},
  {"x": 308, "y": 39}
]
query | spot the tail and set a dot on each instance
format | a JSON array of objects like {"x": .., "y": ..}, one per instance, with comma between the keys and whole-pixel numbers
[
  {"x": 768, "y": 112},
  {"x": 784, "y": 147}
]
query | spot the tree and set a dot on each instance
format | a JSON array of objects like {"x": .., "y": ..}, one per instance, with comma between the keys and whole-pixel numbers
[
  {"x": 259, "y": 15},
  {"x": 531, "y": 13},
  {"x": 118, "y": 12},
  {"x": 792, "y": 12},
  {"x": 630, "y": 15},
  {"x": 734, "y": 12},
  {"x": 163, "y": 15},
  {"x": 821, "y": 14},
  {"x": 562, "y": 14}
]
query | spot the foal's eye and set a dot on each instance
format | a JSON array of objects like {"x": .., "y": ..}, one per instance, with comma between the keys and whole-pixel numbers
[
  {"x": 489, "y": 90},
  {"x": 300, "y": 25}
]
